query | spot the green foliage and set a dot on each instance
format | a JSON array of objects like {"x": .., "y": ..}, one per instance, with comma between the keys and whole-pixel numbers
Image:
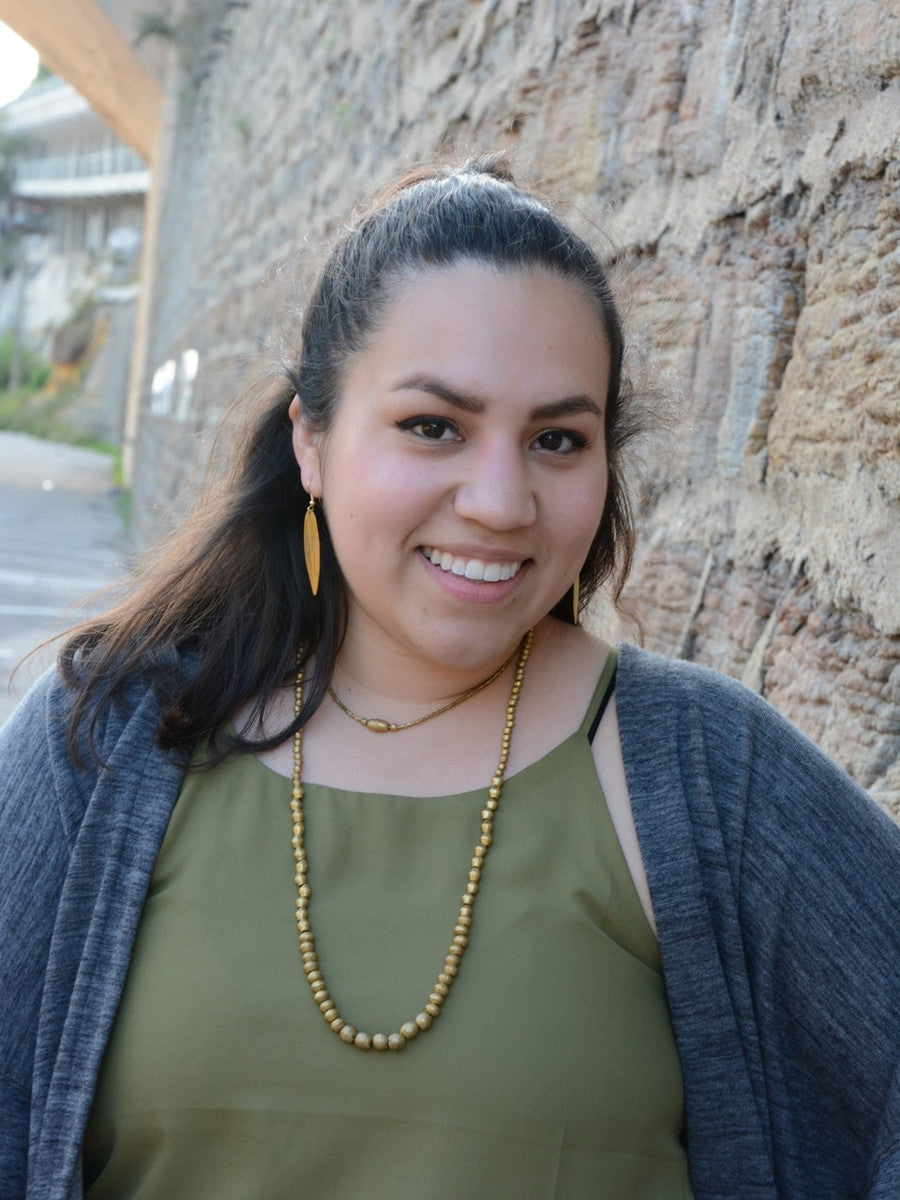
[
  {"x": 40, "y": 414},
  {"x": 45, "y": 415},
  {"x": 11, "y": 147},
  {"x": 34, "y": 370}
]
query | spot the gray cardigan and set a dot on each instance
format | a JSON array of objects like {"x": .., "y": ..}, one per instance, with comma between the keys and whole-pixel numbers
[{"x": 774, "y": 881}]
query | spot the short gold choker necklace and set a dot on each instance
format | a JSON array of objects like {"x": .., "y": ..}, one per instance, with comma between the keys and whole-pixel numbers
[
  {"x": 382, "y": 725},
  {"x": 441, "y": 990}
]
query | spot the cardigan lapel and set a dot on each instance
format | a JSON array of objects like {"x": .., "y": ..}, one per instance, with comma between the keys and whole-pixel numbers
[
  {"x": 689, "y": 873},
  {"x": 109, "y": 871}
]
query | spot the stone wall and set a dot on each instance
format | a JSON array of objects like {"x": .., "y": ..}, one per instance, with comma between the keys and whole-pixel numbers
[{"x": 743, "y": 156}]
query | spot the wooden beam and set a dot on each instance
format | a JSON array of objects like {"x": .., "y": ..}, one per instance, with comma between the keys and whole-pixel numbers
[{"x": 78, "y": 41}]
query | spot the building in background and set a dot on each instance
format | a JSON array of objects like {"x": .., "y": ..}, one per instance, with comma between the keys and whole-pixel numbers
[{"x": 75, "y": 212}]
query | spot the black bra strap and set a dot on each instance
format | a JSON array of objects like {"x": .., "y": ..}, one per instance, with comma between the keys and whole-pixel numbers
[{"x": 607, "y": 696}]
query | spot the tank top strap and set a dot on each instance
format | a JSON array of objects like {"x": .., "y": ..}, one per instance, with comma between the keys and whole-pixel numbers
[{"x": 602, "y": 695}]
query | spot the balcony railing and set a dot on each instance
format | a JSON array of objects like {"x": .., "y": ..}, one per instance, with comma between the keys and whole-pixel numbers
[{"x": 112, "y": 160}]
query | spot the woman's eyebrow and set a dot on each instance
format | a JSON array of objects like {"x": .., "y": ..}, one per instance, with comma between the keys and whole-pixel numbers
[
  {"x": 425, "y": 383},
  {"x": 568, "y": 406}
]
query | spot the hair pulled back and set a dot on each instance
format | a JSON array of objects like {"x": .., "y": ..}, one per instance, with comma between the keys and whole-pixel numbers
[{"x": 219, "y": 610}]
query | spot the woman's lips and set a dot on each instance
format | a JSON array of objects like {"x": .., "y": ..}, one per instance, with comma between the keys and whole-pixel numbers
[{"x": 479, "y": 570}]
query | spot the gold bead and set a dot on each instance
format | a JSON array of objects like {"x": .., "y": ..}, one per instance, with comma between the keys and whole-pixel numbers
[{"x": 306, "y": 941}]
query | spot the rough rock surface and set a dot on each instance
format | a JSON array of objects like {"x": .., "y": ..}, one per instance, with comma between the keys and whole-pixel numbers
[{"x": 742, "y": 154}]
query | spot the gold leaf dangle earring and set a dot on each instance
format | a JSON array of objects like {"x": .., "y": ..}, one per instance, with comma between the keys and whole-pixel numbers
[
  {"x": 576, "y": 586},
  {"x": 311, "y": 550}
]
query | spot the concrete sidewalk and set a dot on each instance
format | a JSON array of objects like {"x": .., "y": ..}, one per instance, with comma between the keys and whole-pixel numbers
[{"x": 61, "y": 538}]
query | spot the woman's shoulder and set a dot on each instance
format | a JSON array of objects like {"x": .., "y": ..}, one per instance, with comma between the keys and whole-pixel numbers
[
  {"x": 38, "y": 781},
  {"x": 39, "y": 720},
  {"x": 671, "y": 696},
  {"x": 695, "y": 739},
  {"x": 656, "y": 678},
  {"x": 39, "y": 760}
]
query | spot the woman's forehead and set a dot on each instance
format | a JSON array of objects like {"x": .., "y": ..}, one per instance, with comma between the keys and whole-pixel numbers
[{"x": 476, "y": 326}]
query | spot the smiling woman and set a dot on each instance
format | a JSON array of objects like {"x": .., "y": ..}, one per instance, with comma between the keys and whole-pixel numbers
[
  {"x": 472, "y": 427},
  {"x": 343, "y": 777}
]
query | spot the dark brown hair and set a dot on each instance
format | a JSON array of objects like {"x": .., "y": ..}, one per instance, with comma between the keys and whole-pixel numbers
[{"x": 218, "y": 612}]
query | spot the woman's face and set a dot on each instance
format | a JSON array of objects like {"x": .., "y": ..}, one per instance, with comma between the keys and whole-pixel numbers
[{"x": 464, "y": 475}]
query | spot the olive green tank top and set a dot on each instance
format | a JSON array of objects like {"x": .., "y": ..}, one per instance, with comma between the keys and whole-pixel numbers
[{"x": 551, "y": 1073}]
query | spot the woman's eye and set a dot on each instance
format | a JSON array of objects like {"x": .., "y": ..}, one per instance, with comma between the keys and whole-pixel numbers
[
  {"x": 560, "y": 441},
  {"x": 434, "y": 429}
]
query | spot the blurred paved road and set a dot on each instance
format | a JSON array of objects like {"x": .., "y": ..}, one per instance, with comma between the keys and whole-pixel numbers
[{"x": 61, "y": 537}]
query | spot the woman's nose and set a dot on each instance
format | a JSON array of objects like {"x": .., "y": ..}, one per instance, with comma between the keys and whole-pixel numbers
[{"x": 497, "y": 491}]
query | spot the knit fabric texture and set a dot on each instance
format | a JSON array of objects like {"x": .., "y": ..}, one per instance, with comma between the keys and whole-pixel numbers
[{"x": 774, "y": 882}]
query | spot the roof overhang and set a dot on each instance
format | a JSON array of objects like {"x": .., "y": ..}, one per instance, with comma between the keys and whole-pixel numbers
[{"x": 78, "y": 41}]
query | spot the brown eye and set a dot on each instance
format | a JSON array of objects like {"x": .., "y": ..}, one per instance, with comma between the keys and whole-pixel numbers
[
  {"x": 432, "y": 429},
  {"x": 560, "y": 441}
]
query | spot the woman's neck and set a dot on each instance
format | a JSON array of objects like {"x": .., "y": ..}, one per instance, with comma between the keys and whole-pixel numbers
[{"x": 372, "y": 671}]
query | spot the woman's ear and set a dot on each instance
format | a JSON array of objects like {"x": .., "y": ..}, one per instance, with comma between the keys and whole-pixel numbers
[{"x": 305, "y": 441}]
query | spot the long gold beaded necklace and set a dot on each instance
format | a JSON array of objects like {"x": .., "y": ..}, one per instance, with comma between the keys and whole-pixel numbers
[{"x": 441, "y": 990}]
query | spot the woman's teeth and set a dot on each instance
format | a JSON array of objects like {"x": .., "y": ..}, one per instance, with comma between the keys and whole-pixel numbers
[{"x": 471, "y": 568}]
